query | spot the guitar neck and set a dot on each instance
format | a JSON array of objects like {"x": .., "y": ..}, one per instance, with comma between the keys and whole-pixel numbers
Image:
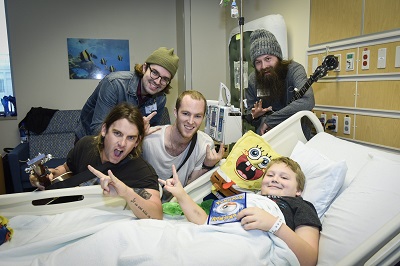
[
  {"x": 300, "y": 93},
  {"x": 330, "y": 62}
]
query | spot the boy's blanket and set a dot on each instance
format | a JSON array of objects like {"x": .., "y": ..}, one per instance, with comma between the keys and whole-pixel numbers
[{"x": 95, "y": 237}]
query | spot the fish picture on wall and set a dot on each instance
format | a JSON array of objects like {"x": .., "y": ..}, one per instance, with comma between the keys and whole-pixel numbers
[{"x": 95, "y": 58}]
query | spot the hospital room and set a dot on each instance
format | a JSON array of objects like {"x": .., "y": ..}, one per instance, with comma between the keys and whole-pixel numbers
[{"x": 275, "y": 139}]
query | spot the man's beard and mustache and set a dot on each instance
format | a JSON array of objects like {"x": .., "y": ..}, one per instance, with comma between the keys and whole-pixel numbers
[{"x": 272, "y": 86}]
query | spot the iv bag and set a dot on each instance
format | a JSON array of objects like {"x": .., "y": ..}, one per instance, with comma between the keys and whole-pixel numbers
[{"x": 236, "y": 74}]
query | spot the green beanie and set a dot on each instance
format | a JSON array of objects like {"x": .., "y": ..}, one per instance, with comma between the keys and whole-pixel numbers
[{"x": 165, "y": 58}]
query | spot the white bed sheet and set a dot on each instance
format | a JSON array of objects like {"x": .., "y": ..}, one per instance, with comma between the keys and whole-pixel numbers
[
  {"x": 95, "y": 237},
  {"x": 283, "y": 139}
]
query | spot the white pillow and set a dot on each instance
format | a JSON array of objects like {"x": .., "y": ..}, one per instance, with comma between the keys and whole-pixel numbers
[
  {"x": 324, "y": 177},
  {"x": 337, "y": 149},
  {"x": 364, "y": 207}
]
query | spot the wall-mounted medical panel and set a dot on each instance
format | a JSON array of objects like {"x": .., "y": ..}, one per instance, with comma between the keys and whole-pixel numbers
[
  {"x": 379, "y": 95},
  {"x": 334, "y": 20},
  {"x": 383, "y": 131},
  {"x": 381, "y": 58},
  {"x": 342, "y": 19},
  {"x": 381, "y": 15},
  {"x": 339, "y": 130},
  {"x": 335, "y": 93}
]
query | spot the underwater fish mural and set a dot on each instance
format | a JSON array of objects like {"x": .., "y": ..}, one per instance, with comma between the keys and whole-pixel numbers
[
  {"x": 85, "y": 56},
  {"x": 95, "y": 58}
]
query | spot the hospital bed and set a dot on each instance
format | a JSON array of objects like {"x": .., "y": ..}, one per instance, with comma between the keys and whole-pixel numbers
[{"x": 354, "y": 188}]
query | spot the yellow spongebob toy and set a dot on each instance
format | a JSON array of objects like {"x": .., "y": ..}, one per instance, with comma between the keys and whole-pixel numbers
[{"x": 244, "y": 168}]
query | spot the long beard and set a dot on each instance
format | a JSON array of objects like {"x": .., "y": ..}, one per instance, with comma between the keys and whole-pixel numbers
[{"x": 272, "y": 86}]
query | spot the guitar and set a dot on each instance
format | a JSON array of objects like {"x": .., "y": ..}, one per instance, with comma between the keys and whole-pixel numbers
[
  {"x": 330, "y": 62},
  {"x": 37, "y": 168}
]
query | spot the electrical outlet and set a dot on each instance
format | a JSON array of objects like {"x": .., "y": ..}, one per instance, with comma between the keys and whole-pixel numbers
[
  {"x": 347, "y": 125},
  {"x": 323, "y": 118},
  {"x": 365, "y": 59},
  {"x": 381, "y": 58},
  {"x": 350, "y": 61},
  {"x": 335, "y": 123}
]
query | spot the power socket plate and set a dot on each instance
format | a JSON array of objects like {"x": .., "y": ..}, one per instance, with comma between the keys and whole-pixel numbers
[
  {"x": 336, "y": 118},
  {"x": 347, "y": 125}
]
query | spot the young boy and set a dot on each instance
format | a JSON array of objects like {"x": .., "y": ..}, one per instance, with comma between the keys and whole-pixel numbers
[{"x": 283, "y": 183}]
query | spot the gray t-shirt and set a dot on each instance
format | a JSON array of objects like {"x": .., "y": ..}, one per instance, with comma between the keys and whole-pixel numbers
[{"x": 155, "y": 153}]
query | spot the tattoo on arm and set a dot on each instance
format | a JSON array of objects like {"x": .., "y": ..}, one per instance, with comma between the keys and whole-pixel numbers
[
  {"x": 140, "y": 208},
  {"x": 143, "y": 193}
]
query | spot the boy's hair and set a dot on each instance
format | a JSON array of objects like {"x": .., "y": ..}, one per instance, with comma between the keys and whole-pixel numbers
[
  {"x": 195, "y": 95},
  {"x": 133, "y": 115},
  {"x": 294, "y": 166}
]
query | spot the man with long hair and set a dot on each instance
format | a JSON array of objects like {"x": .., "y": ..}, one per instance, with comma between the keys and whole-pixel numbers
[
  {"x": 272, "y": 85},
  {"x": 117, "y": 146}
]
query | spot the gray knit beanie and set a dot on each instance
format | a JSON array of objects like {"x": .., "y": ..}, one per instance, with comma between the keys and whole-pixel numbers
[
  {"x": 166, "y": 58},
  {"x": 263, "y": 42}
]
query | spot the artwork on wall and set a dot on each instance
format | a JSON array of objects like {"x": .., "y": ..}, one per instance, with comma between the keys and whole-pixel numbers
[{"x": 95, "y": 58}]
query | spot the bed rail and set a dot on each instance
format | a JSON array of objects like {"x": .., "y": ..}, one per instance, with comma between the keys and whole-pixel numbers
[
  {"x": 283, "y": 138},
  {"x": 90, "y": 197},
  {"x": 382, "y": 248}
]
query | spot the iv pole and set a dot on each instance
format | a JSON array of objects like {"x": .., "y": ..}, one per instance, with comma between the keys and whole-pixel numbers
[
  {"x": 241, "y": 76},
  {"x": 241, "y": 89},
  {"x": 241, "y": 23}
]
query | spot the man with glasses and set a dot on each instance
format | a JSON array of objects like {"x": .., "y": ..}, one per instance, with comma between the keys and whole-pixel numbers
[{"x": 146, "y": 87}]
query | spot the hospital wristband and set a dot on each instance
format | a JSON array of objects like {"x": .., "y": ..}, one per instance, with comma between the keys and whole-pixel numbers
[{"x": 276, "y": 226}]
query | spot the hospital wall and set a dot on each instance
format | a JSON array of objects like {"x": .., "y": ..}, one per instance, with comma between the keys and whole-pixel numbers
[
  {"x": 199, "y": 31},
  {"x": 364, "y": 91},
  {"x": 39, "y": 30}
]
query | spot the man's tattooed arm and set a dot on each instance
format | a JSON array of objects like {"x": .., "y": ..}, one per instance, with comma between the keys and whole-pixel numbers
[
  {"x": 144, "y": 204},
  {"x": 143, "y": 193}
]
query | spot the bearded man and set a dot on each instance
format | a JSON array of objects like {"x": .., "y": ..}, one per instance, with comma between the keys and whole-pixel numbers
[{"x": 271, "y": 86}]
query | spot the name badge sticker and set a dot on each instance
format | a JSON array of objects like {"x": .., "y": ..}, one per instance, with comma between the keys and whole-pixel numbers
[{"x": 150, "y": 108}]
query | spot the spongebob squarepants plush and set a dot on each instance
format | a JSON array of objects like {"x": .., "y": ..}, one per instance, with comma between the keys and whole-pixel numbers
[{"x": 244, "y": 168}]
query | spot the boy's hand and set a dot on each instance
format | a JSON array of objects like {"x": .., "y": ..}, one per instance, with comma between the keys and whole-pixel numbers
[
  {"x": 173, "y": 185},
  {"x": 256, "y": 218}
]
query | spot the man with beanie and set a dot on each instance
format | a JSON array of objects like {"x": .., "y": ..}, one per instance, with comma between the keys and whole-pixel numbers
[
  {"x": 271, "y": 86},
  {"x": 146, "y": 87}
]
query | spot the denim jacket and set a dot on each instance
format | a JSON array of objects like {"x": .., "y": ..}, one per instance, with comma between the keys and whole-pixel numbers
[{"x": 116, "y": 87}]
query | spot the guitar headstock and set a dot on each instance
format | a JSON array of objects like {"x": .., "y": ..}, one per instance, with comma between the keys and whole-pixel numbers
[
  {"x": 36, "y": 167},
  {"x": 330, "y": 62}
]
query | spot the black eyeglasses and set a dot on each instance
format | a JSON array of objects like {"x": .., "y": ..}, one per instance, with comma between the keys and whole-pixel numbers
[{"x": 155, "y": 75}]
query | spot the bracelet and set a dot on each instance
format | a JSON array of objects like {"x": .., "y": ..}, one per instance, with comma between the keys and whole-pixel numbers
[
  {"x": 207, "y": 167},
  {"x": 276, "y": 226}
]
